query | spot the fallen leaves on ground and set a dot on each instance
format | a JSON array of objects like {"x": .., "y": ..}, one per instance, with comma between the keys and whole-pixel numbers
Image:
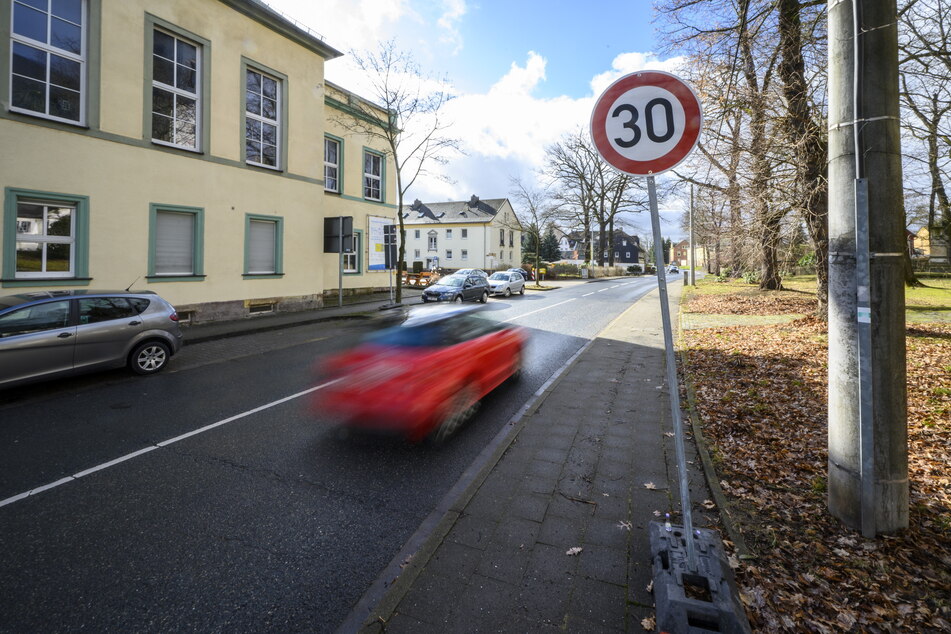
[{"x": 761, "y": 396}]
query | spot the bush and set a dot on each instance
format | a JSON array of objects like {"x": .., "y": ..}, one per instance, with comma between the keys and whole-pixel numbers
[
  {"x": 563, "y": 270},
  {"x": 751, "y": 277},
  {"x": 634, "y": 269}
]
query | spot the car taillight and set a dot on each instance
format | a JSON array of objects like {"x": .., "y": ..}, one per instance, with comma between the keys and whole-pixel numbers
[{"x": 173, "y": 316}]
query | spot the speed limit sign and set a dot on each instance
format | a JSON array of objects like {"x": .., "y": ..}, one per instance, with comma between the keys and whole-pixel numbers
[{"x": 646, "y": 122}]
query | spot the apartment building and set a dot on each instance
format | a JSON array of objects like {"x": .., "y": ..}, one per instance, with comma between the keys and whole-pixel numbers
[{"x": 180, "y": 146}]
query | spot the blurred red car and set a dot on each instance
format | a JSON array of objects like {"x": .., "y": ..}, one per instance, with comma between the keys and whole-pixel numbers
[{"x": 422, "y": 377}]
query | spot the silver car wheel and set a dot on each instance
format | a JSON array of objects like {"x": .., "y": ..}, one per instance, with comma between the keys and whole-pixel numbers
[{"x": 149, "y": 358}]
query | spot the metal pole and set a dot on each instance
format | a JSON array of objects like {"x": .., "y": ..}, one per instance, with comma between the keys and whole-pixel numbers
[
  {"x": 693, "y": 263},
  {"x": 339, "y": 260},
  {"x": 672, "y": 383},
  {"x": 864, "y": 328}
]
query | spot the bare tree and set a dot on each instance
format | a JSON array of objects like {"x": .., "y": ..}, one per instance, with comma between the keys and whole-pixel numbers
[
  {"x": 414, "y": 134},
  {"x": 591, "y": 190},
  {"x": 924, "y": 70},
  {"x": 537, "y": 210}
]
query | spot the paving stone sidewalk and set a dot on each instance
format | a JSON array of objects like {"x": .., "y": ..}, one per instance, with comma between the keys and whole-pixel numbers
[{"x": 554, "y": 534}]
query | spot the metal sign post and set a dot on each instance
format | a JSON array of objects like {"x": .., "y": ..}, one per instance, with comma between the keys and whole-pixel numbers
[
  {"x": 646, "y": 123},
  {"x": 672, "y": 382}
]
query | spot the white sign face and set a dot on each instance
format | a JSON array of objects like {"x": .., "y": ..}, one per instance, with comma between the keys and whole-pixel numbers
[
  {"x": 376, "y": 253},
  {"x": 646, "y": 123}
]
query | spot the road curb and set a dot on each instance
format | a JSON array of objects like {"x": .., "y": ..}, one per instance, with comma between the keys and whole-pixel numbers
[{"x": 413, "y": 560}]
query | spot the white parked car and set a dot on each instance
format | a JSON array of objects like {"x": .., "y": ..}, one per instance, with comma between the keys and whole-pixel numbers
[{"x": 505, "y": 283}]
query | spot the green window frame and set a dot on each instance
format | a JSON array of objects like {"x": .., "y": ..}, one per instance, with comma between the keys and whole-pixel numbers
[
  {"x": 278, "y": 247},
  {"x": 202, "y": 86},
  {"x": 80, "y": 237},
  {"x": 196, "y": 252},
  {"x": 248, "y": 65}
]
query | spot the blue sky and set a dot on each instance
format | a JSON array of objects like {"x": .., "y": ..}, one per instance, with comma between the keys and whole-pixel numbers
[{"x": 525, "y": 72}]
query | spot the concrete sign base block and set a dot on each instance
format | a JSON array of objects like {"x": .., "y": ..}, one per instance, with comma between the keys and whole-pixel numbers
[{"x": 693, "y": 601}]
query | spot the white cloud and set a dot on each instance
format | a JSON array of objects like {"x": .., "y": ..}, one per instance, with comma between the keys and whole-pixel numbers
[
  {"x": 449, "y": 23},
  {"x": 626, "y": 63}
]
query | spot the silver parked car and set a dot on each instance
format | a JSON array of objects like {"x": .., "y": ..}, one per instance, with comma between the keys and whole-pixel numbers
[
  {"x": 55, "y": 333},
  {"x": 505, "y": 283}
]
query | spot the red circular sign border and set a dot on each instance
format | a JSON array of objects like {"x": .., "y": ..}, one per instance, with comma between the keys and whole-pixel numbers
[{"x": 692, "y": 115}]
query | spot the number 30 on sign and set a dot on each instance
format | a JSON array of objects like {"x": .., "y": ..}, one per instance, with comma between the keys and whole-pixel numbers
[{"x": 646, "y": 123}]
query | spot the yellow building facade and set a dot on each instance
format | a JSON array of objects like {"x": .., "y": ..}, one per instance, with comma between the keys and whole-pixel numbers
[{"x": 178, "y": 146}]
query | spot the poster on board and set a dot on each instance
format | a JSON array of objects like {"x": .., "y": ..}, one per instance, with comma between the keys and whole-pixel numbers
[{"x": 376, "y": 244}]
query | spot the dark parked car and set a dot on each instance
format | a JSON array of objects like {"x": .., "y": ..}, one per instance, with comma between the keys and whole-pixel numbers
[
  {"x": 54, "y": 333},
  {"x": 423, "y": 376},
  {"x": 523, "y": 273},
  {"x": 458, "y": 288}
]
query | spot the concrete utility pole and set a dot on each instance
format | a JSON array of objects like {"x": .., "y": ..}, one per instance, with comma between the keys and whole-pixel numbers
[{"x": 866, "y": 287}]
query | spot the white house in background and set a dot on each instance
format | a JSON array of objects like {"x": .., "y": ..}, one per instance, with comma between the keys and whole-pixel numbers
[{"x": 473, "y": 234}]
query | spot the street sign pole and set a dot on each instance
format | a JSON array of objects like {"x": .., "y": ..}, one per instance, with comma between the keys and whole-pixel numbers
[{"x": 672, "y": 382}]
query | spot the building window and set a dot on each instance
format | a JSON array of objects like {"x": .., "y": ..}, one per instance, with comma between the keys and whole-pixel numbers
[
  {"x": 351, "y": 261},
  {"x": 48, "y": 62},
  {"x": 372, "y": 176},
  {"x": 616, "y": 254},
  {"x": 416, "y": 234},
  {"x": 465, "y": 233},
  {"x": 432, "y": 240},
  {"x": 416, "y": 253},
  {"x": 448, "y": 254},
  {"x": 45, "y": 239},
  {"x": 464, "y": 254},
  {"x": 175, "y": 95},
  {"x": 331, "y": 165},
  {"x": 511, "y": 238},
  {"x": 45, "y": 236},
  {"x": 262, "y": 123},
  {"x": 627, "y": 254},
  {"x": 501, "y": 237},
  {"x": 176, "y": 241},
  {"x": 263, "y": 245},
  {"x": 448, "y": 234}
]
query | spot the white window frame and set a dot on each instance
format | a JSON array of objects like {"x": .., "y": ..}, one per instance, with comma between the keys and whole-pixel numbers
[
  {"x": 263, "y": 120},
  {"x": 465, "y": 234},
  {"x": 332, "y": 166},
  {"x": 416, "y": 234},
  {"x": 464, "y": 254},
  {"x": 433, "y": 242},
  {"x": 178, "y": 92},
  {"x": 45, "y": 240},
  {"x": 416, "y": 253},
  {"x": 48, "y": 49},
  {"x": 372, "y": 182},
  {"x": 448, "y": 254},
  {"x": 448, "y": 234}
]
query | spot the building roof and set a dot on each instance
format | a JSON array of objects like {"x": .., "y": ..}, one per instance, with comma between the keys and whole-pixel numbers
[
  {"x": 470, "y": 211},
  {"x": 285, "y": 25}
]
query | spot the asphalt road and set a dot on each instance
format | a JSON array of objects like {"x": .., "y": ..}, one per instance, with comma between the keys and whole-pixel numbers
[{"x": 265, "y": 519}]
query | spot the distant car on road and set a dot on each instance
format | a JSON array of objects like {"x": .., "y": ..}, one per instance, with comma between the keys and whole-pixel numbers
[
  {"x": 422, "y": 377},
  {"x": 56, "y": 333},
  {"x": 478, "y": 272},
  {"x": 505, "y": 283},
  {"x": 673, "y": 269},
  {"x": 458, "y": 288},
  {"x": 523, "y": 273}
]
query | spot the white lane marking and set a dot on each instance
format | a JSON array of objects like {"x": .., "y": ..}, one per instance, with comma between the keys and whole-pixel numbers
[
  {"x": 164, "y": 443},
  {"x": 586, "y": 294},
  {"x": 604, "y": 289},
  {"x": 540, "y": 310},
  {"x": 615, "y": 286}
]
